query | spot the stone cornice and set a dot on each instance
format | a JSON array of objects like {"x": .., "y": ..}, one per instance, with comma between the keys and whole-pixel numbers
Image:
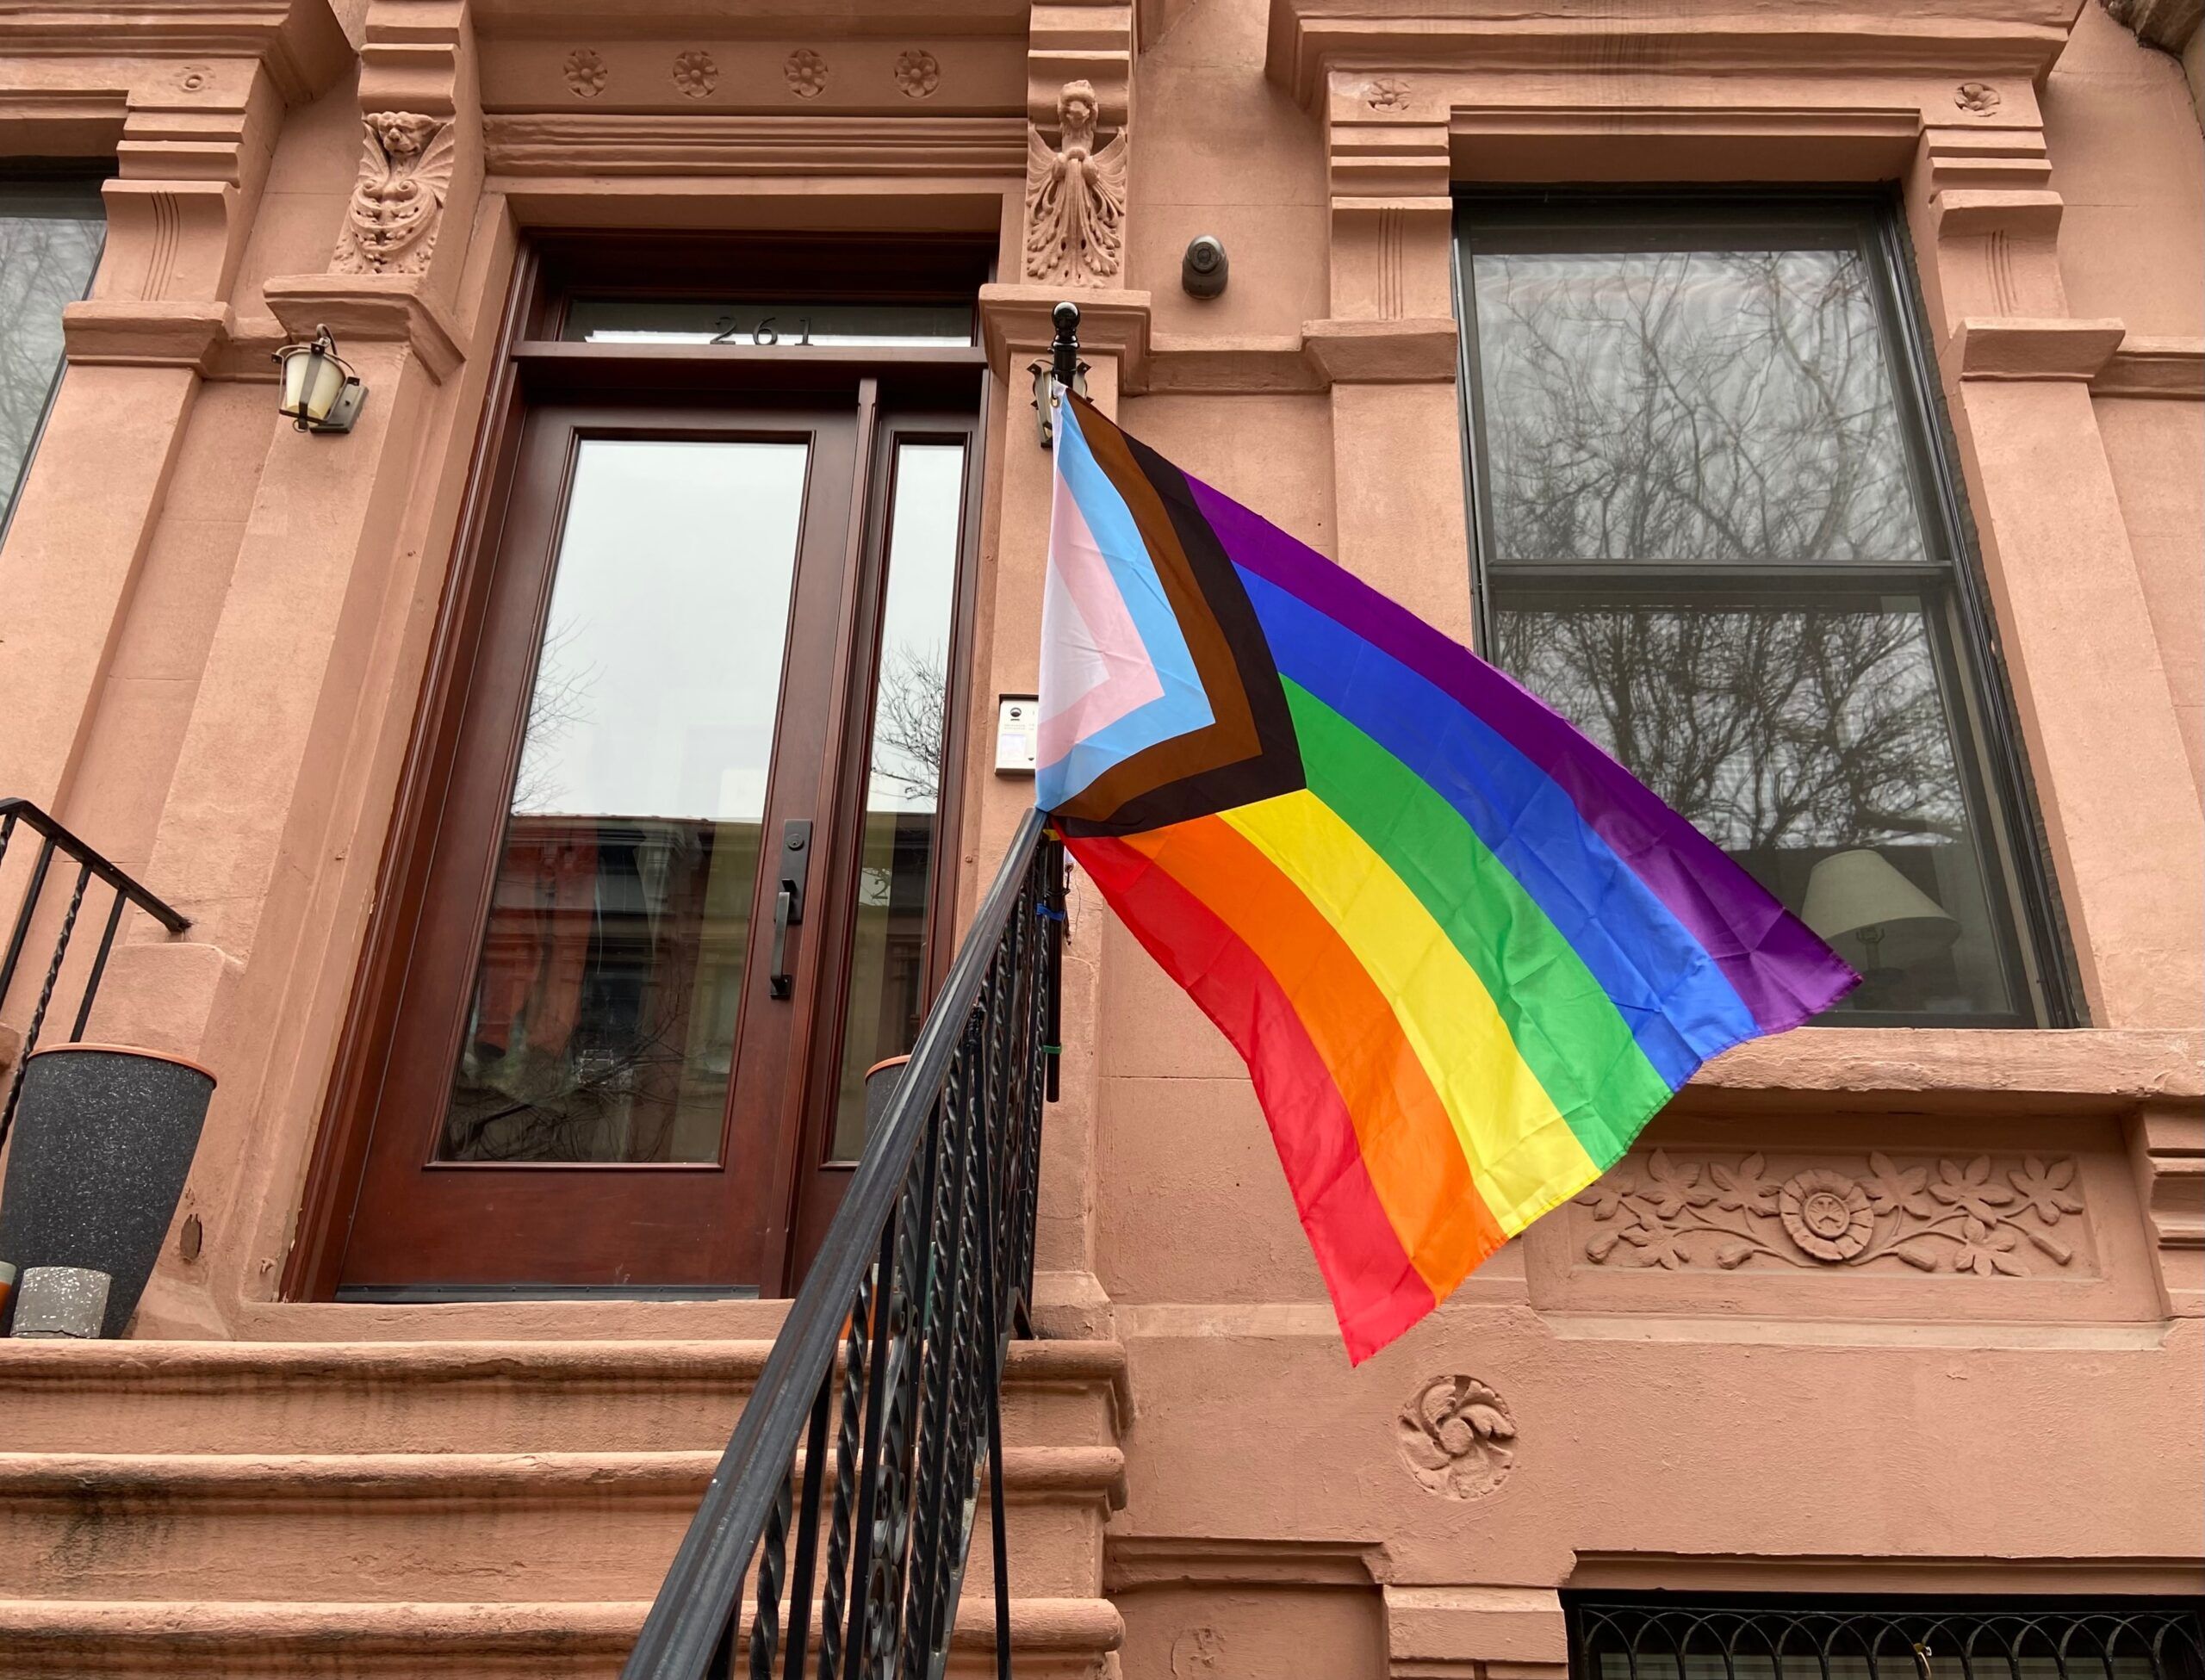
[
  {"x": 1015, "y": 323},
  {"x": 682, "y": 144},
  {"x": 146, "y": 334},
  {"x": 1017, "y": 330},
  {"x": 2019, "y": 349},
  {"x": 1309, "y": 38},
  {"x": 377, "y": 309},
  {"x": 1382, "y": 352},
  {"x": 2168, "y": 368},
  {"x": 628, "y": 19},
  {"x": 298, "y": 40}
]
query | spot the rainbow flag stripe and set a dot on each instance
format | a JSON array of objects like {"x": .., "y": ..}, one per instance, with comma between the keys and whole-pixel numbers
[{"x": 1466, "y": 956}]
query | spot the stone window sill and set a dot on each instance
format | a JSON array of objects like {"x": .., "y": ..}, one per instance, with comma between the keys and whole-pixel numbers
[{"x": 1955, "y": 1070}]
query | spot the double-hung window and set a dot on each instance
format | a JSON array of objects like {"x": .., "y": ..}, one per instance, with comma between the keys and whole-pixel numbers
[
  {"x": 51, "y": 233},
  {"x": 1716, "y": 527}
]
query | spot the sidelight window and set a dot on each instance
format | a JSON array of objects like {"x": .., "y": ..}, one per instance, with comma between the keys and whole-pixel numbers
[
  {"x": 51, "y": 234},
  {"x": 1715, "y": 528}
]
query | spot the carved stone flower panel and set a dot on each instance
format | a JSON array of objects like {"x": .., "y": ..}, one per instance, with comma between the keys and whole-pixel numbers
[
  {"x": 586, "y": 72},
  {"x": 1980, "y": 1216},
  {"x": 918, "y": 73},
  {"x": 1977, "y": 97},
  {"x": 1826, "y": 1213},
  {"x": 695, "y": 73},
  {"x": 805, "y": 72},
  {"x": 1457, "y": 1437}
]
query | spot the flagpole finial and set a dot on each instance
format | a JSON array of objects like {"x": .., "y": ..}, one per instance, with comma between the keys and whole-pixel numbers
[
  {"x": 1064, "y": 353},
  {"x": 1064, "y": 369}
]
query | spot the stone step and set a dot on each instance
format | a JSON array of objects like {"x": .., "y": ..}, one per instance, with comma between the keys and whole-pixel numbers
[
  {"x": 475, "y": 1527},
  {"x": 1052, "y": 1639},
  {"x": 464, "y": 1396}
]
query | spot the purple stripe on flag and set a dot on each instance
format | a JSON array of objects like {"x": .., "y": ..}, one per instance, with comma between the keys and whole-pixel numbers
[{"x": 1780, "y": 971}]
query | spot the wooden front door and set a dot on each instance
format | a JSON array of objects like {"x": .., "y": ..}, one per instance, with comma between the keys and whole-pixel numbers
[{"x": 676, "y": 880}]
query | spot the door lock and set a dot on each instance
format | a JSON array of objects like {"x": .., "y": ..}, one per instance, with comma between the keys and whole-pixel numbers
[{"x": 794, "y": 867}]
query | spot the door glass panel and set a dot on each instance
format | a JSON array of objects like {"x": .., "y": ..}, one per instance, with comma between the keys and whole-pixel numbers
[
  {"x": 1810, "y": 737},
  {"x": 622, "y": 320},
  {"x": 602, "y": 1022},
  {"x": 886, "y": 997},
  {"x": 1724, "y": 405}
]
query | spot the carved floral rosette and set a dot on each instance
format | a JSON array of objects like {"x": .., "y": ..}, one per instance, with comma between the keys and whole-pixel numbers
[
  {"x": 1456, "y": 1437},
  {"x": 1971, "y": 1217}
]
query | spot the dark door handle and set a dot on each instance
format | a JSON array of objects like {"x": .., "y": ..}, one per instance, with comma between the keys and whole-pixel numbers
[{"x": 795, "y": 866}]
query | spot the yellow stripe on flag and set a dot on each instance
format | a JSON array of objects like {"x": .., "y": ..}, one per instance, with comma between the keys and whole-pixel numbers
[{"x": 1522, "y": 1152}]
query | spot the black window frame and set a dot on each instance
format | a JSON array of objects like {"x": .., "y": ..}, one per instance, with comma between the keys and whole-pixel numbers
[
  {"x": 59, "y": 178},
  {"x": 1996, "y": 783},
  {"x": 1891, "y": 1636}
]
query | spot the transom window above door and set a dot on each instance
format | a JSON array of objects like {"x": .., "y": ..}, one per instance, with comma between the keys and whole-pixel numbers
[{"x": 1716, "y": 527}]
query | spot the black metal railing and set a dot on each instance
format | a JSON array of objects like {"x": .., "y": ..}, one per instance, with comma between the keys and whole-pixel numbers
[
  {"x": 56, "y": 841},
  {"x": 853, "y": 1478},
  {"x": 1968, "y": 1638}
]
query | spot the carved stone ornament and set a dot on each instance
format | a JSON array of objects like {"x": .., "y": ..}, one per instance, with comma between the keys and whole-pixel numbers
[
  {"x": 586, "y": 73},
  {"x": 1388, "y": 93},
  {"x": 195, "y": 79},
  {"x": 1980, "y": 97},
  {"x": 1075, "y": 196},
  {"x": 695, "y": 73},
  {"x": 1457, "y": 1438},
  {"x": 805, "y": 72},
  {"x": 918, "y": 72},
  {"x": 1966, "y": 1218},
  {"x": 390, "y": 226}
]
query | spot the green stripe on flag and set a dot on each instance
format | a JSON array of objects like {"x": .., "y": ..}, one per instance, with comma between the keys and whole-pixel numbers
[{"x": 1566, "y": 1027}]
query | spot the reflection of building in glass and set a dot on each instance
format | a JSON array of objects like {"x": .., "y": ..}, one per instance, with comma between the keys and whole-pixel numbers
[
  {"x": 603, "y": 1020},
  {"x": 887, "y": 988}
]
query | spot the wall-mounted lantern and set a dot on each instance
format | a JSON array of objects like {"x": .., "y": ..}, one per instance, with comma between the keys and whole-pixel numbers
[{"x": 321, "y": 391}]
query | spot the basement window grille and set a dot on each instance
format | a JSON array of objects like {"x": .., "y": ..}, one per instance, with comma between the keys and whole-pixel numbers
[{"x": 1896, "y": 1639}]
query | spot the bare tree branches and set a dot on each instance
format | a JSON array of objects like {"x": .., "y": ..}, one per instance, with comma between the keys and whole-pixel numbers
[{"x": 908, "y": 722}]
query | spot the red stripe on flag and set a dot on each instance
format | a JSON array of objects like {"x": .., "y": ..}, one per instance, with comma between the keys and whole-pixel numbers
[{"x": 1377, "y": 1292}]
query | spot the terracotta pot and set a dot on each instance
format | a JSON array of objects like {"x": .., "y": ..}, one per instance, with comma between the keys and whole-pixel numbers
[{"x": 103, "y": 1139}]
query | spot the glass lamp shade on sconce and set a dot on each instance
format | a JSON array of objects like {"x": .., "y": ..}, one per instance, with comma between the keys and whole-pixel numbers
[
  {"x": 1873, "y": 916},
  {"x": 321, "y": 391}
]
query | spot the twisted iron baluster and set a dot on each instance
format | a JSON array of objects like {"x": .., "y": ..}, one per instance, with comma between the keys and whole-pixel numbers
[
  {"x": 772, "y": 1563},
  {"x": 891, "y": 1529},
  {"x": 45, "y": 998},
  {"x": 835, "y": 1594},
  {"x": 944, "y": 1261},
  {"x": 807, "y": 1525}
]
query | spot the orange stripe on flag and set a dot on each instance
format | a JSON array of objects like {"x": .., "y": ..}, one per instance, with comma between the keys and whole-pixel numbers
[{"x": 1409, "y": 1145}]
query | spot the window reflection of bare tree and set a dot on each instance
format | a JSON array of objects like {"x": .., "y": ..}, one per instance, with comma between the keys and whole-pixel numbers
[
  {"x": 1699, "y": 409},
  {"x": 45, "y": 261},
  {"x": 590, "y": 1106},
  {"x": 558, "y": 702},
  {"x": 1694, "y": 406},
  {"x": 1815, "y": 725},
  {"x": 909, "y": 719}
]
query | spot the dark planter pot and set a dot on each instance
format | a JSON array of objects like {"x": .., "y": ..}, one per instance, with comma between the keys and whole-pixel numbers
[
  {"x": 881, "y": 1080},
  {"x": 103, "y": 1139}
]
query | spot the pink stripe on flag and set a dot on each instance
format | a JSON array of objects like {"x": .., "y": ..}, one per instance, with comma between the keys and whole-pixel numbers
[{"x": 1086, "y": 630}]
